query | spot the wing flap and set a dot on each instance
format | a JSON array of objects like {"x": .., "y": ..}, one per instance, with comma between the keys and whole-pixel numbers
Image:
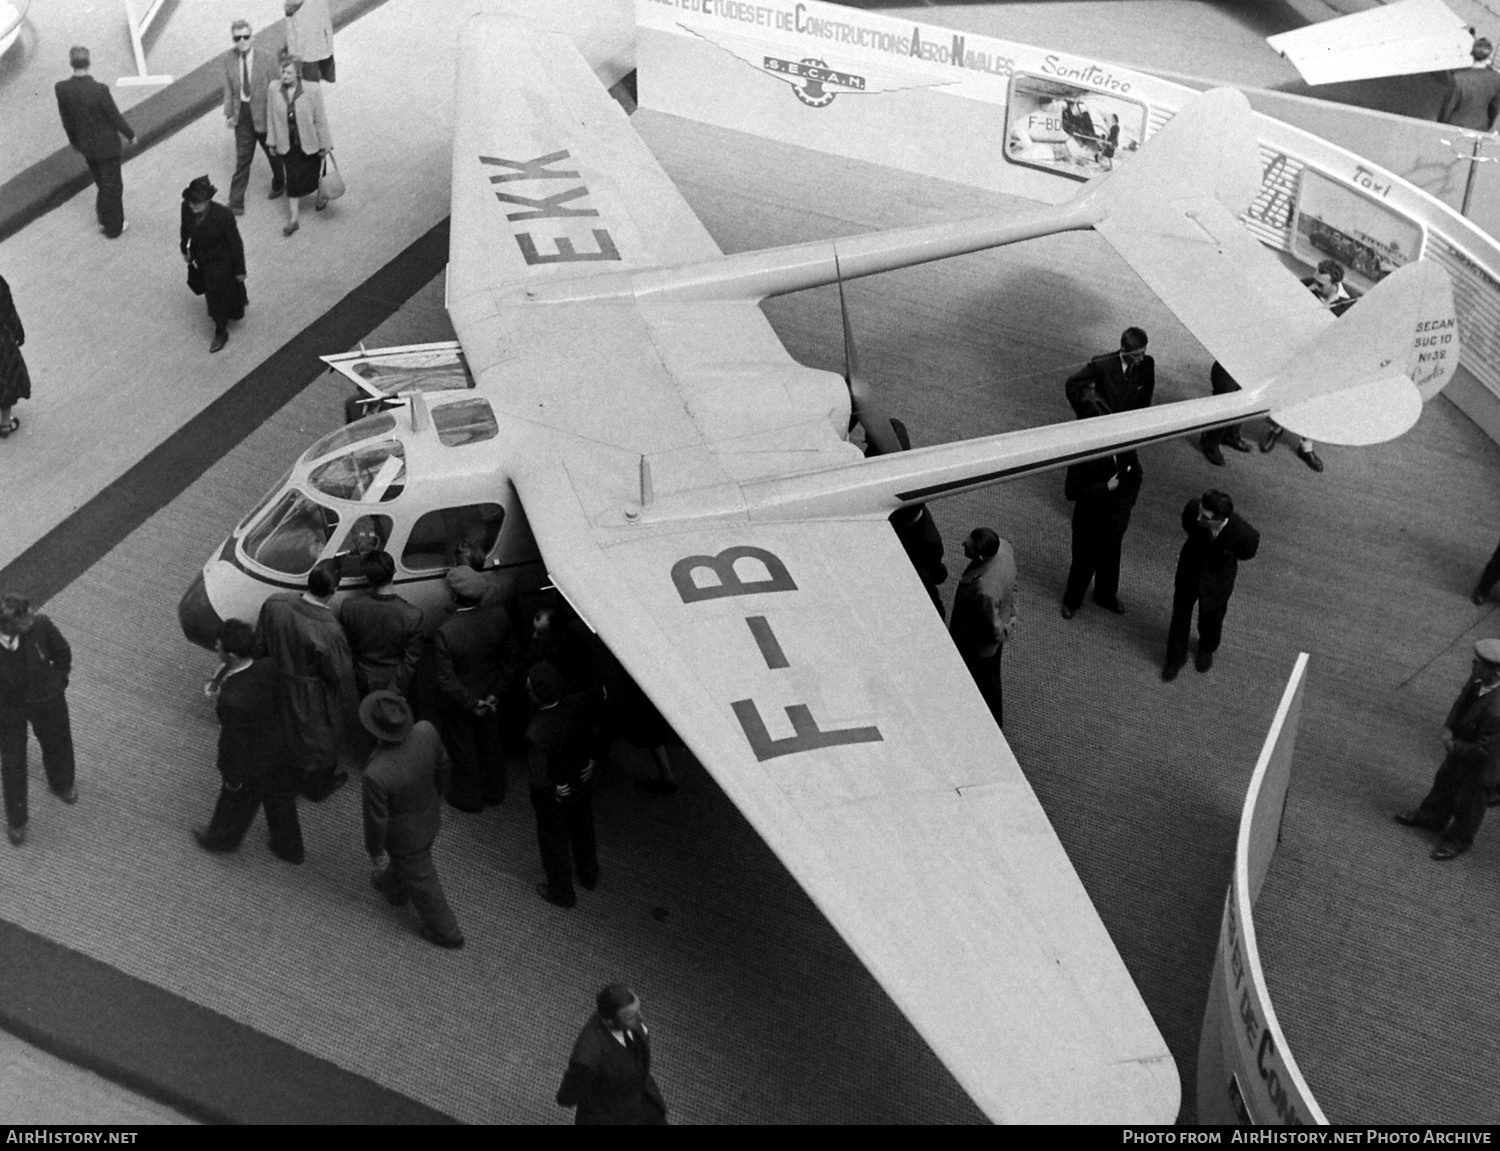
[{"x": 805, "y": 667}]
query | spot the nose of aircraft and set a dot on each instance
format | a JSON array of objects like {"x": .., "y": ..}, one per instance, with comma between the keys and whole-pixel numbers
[{"x": 200, "y": 623}]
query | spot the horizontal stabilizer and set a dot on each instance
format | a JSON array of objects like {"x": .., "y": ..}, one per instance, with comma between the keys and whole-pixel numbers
[{"x": 1352, "y": 383}]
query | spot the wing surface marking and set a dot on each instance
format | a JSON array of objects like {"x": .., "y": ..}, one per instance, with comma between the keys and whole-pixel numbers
[{"x": 804, "y": 665}]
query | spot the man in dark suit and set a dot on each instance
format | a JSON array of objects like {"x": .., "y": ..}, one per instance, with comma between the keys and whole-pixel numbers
[
  {"x": 1217, "y": 539},
  {"x": 478, "y": 658},
  {"x": 558, "y": 742},
  {"x": 384, "y": 630},
  {"x": 35, "y": 663},
  {"x": 1120, "y": 381},
  {"x": 404, "y": 783},
  {"x": 247, "y": 76},
  {"x": 1471, "y": 735},
  {"x": 1473, "y": 97},
  {"x": 1104, "y": 491},
  {"x": 255, "y": 762},
  {"x": 1230, "y": 436},
  {"x": 609, "y": 1072},
  {"x": 94, "y": 127}
]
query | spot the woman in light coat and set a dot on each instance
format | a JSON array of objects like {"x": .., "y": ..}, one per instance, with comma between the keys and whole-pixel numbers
[{"x": 297, "y": 130}]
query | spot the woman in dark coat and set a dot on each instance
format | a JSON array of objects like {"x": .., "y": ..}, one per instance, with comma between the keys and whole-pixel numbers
[
  {"x": 211, "y": 240},
  {"x": 15, "y": 383}
]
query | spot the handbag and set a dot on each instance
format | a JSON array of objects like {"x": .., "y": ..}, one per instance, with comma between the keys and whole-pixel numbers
[
  {"x": 330, "y": 183},
  {"x": 195, "y": 278}
]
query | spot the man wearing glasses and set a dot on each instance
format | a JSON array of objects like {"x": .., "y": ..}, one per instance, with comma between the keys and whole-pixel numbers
[
  {"x": 247, "y": 76},
  {"x": 1217, "y": 539}
]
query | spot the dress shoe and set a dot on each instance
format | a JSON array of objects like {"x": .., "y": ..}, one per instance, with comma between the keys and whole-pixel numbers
[
  {"x": 17, "y": 833},
  {"x": 1212, "y": 454},
  {"x": 1448, "y": 849},
  {"x": 1169, "y": 672},
  {"x": 1310, "y": 458},
  {"x": 319, "y": 204},
  {"x": 590, "y": 883},
  {"x": 1268, "y": 441},
  {"x": 1113, "y": 605},
  {"x": 276, "y": 192},
  {"x": 542, "y": 890},
  {"x": 294, "y": 858},
  {"x": 218, "y": 342},
  {"x": 1239, "y": 444},
  {"x": 290, "y": 227},
  {"x": 69, "y": 797},
  {"x": 1204, "y": 661},
  {"x": 464, "y": 806},
  {"x": 1068, "y": 612},
  {"x": 452, "y": 943},
  {"x": 1477, "y": 597},
  {"x": 1414, "y": 818},
  {"x": 208, "y": 843},
  {"x": 237, "y": 209}
]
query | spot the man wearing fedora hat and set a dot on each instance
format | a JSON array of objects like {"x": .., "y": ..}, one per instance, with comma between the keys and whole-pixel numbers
[
  {"x": 404, "y": 785},
  {"x": 1455, "y": 805}
]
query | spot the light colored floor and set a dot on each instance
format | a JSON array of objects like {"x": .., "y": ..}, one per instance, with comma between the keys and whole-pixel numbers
[{"x": 37, "y": 1089}]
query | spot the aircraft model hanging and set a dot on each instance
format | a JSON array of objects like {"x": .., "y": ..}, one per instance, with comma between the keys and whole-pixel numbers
[{"x": 624, "y": 403}]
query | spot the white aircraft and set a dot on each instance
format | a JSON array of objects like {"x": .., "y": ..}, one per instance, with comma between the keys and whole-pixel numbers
[
  {"x": 624, "y": 403},
  {"x": 1396, "y": 39}
]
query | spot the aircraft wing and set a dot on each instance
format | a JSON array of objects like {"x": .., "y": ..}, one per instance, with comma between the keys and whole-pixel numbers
[
  {"x": 549, "y": 180},
  {"x": 1393, "y": 40},
  {"x": 804, "y": 665}
]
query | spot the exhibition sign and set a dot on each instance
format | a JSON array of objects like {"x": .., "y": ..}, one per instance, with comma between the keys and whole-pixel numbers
[
  {"x": 1246, "y": 1074},
  {"x": 1033, "y": 122}
]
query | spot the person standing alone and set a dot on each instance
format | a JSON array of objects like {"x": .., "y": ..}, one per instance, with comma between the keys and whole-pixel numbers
[
  {"x": 35, "y": 662},
  {"x": 248, "y": 76},
  {"x": 609, "y": 1076},
  {"x": 1217, "y": 539},
  {"x": 94, "y": 127}
]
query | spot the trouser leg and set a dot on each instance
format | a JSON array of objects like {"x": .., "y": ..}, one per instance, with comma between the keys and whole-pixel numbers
[
  {"x": 283, "y": 825},
  {"x": 278, "y": 169},
  {"x": 1437, "y": 806},
  {"x": 49, "y": 719},
  {"x": 1107, "y": 574},
  {"x": 1211, "y": 626},
  {"x": 417, "y": 874},
  {"x": 489, "y": 749},
  {"x": 233, "y": 815},
  {"x": 466, "y": 789},
  {"x": 244, "y": 155},
  {"x": 1085, "y": 561},
  {"x": 1184, "y": 596},
  {"x": 579, "y": 810},
  {"x": 13, "y": 766},
  {"x": 109, "y": 202},
  {"x": 552, "y": 839},
  {"x": 1491, "y": 574},
  {"x": 986, "y": 672},
  {"x": 1469, "y": 802}
]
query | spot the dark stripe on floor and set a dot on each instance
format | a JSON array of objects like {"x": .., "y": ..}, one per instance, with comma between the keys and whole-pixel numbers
[
  {"x": 86, "y": 536},
  {"x": 62, "y": 175},
  {"x": 200, "y": 1062}
]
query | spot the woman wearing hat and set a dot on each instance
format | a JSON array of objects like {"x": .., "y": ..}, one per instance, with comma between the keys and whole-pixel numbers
[
  {"x": 211, "y": 243},
  {"x": 297, "y": 129}
]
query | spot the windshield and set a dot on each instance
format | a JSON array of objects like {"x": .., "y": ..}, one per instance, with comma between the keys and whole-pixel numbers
[
  {"x": 372, "y": 473},
  {"x": 292, "y": 535},
  {"x": 368, "y": 428}
]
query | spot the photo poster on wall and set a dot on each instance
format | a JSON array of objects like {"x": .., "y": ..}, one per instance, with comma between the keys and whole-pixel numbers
[
  {"x": 1079, "y": 132},
  {"x": 1370, "y": 239}
]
